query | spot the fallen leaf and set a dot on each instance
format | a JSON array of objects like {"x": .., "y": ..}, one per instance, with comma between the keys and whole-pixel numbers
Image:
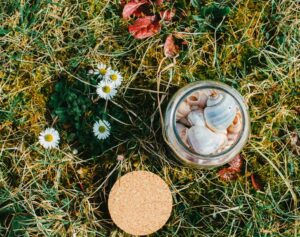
[
  {"x": 228, "y": 174},
  {"x": 167, "y": 15},
  {"x": 170, "y": 48},
  {"x": 295, "y": 142},
  {"x": 236, "y": 163},
  {"x": 131, "y": 7},
  {"x": 256, "y": 183},
  {"x": 144, "y": 27}
]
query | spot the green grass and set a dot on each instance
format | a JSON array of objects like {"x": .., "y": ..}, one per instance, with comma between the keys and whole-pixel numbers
[{"x": 255, "y": 49}]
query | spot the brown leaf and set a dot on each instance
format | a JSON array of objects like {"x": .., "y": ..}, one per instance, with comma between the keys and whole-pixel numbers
[
  {"x": 144, "y": 27},
  {"x": 131, "y": 7},
  {"x": 256, "y": 183},
  {"x": 236, "y": 163},
  {"x": 170, "y": 48},
  {"x": 295, "y": 142},
  {"x": 167, "y": 15},
  {"x": 228, "y": 174}
]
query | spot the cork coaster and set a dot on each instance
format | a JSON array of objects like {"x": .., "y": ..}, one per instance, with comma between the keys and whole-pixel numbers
[{"x": 140, "y": 203}]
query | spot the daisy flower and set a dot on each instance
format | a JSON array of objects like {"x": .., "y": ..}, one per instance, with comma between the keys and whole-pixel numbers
[
  {"x": 101, "y": 129},
  {"x": 102, "y": 69},
  {"x": 114, "y": 77},
  {"x": 106, "y": 90},
  {"x": 49, "y": 138}
]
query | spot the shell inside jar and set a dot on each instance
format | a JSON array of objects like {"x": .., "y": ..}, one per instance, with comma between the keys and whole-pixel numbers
[{"x": 209, "y": 121}]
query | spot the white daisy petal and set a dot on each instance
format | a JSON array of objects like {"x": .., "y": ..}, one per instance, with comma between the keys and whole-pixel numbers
[
  {"x": 102, "y": 69},
  {"x": 106, "y": 90},
  {"x": 49, "y": 138},
  {"x": 114, "y": 77},
  {"x": 91, "y": 71},
  {"x": 101, "y": 129}
]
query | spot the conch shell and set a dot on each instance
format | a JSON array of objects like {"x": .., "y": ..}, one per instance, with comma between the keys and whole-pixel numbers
[
  {"x": 182, "y": 110},
  {"x": 220, "y": 111},
  {"x": 204, "y": 141},
  {"x": 197, "y": 98},
  {"x": 182, "y": 131}
]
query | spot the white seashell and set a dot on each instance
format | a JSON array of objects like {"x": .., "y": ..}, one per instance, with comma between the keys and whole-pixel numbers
[
  {"x": 195, "y": 107},
  {"x": 196, "y": 117},
  {"x": 220, "y": 111},
  {"x": 236, "y": 125},
  {"x": 224, "y": 138},
  {"x": 182, "y": 110},
  {"x": 203, "y": 140},
  {"x": 197, "y": 98},
  {"x": 232, "y": 138},
  {"x": 182, "y": 131},
  {"x": 185, "y": 122}
]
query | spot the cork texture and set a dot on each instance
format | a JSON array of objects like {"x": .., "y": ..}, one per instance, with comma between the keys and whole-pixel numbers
[{"x": 140, "y": 203}]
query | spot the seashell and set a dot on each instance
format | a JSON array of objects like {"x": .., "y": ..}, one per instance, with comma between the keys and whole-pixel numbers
[
  {"x": 197, "y": 98},
  {"x": 203, "y": 140},
  {"x": 195, "y": 107},
  {"x": 196, "y": 117},
  {"x": 185, "y": 122},
  {"x": 224, "y": 144},
  {"x": 182, "y": 131},
  {"x": 232, "y": 138},
  {"x": 236, "y": 125},
  {"x": 183, "y": 110},
  {"x": 220, "y": 111}
]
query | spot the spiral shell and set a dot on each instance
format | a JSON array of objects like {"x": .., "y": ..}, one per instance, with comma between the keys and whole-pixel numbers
[
  {"x": 220, "y": 111},
  {"x": 197, "y": 98},
  {"x": 196, "y": 117},
  {"x": 182, "y": 131},
  {"x": 204, "y": 141},
  {"x": 236, "y": 125},
  {"x": 183, "y": 110},
  {"x": 185, "y": 122}
]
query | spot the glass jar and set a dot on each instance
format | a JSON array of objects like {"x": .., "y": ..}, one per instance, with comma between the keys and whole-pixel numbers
[{"x": 183, "y": 150}]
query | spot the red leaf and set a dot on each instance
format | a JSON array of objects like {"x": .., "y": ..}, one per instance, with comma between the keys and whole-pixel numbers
[
  {"x": 256, "y": 182},
  {"x": 131, "y": 7},
  {"x": 144, "y": 27},
  {"x": 159, "y": 2},
  {"x": 122, "y": 2},
  {"x": 228, "y": 174},
  {"x": 170, "y": 48},
  {"x": 236, "y": 163},
  {"x": 167, "y": 15}
]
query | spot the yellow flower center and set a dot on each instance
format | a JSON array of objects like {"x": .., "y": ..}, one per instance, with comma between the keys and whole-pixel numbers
[
  {"x": 48, "y": 138},
  {"x": 102, "y": 129},
  {"x": 106, "y": 89},
  {"x": 102, "y": 71},
  {"x": 113, "y": 77}
]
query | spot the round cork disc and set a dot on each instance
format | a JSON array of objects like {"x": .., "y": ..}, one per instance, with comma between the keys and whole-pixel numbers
[{"x": 140, "y": 203}]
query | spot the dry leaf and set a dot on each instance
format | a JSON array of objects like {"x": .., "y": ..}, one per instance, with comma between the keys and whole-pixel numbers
[
  {"x": 295, "y": 142},
  {"x": 228, "y": 174},
  {"x": 167, "y": 15},
  {"x": 131, "y": 7},
  {"x": 144, "y": 27},
  {"x": 236, "y": 163},
  {"x": 256, "y": 182},
  {"x": 170, "y": 48}
]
